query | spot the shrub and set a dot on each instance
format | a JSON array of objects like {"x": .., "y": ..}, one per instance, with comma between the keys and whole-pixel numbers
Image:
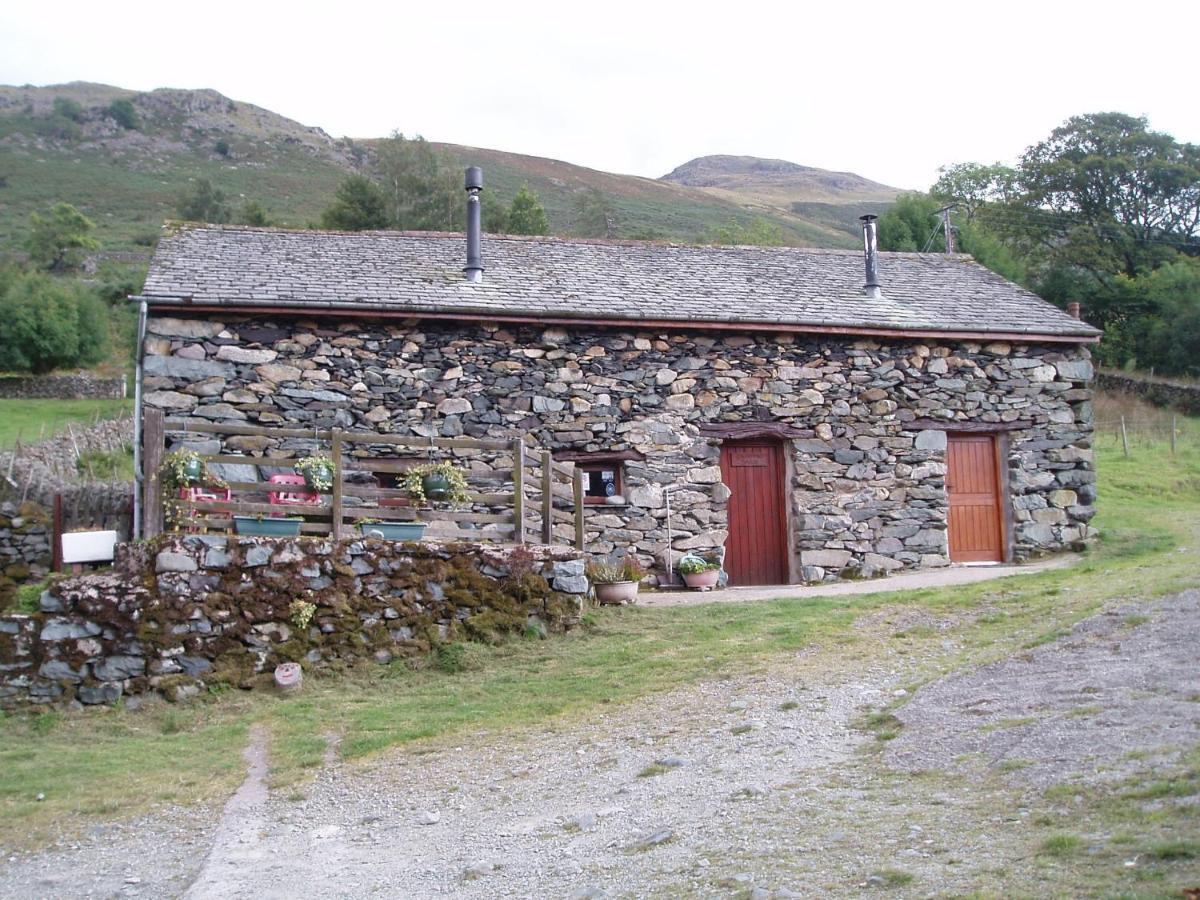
[
  {"x": 68, "y": 109},
  {"x": 47, "y": 323},
  {"x": 123, "y": 113},
  {"x": 221, "y": 147}
]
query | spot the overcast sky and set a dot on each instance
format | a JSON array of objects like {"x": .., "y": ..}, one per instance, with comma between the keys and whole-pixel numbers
[{"x": 888, "y": 90}]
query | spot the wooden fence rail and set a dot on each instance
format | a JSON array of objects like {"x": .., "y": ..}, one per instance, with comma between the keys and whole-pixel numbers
[{"x": 498, "y": 505}]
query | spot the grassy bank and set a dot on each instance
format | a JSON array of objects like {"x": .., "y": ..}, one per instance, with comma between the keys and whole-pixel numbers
[
  {"x": 33, "y": 420},
  {"x": 105, "y": 759}
]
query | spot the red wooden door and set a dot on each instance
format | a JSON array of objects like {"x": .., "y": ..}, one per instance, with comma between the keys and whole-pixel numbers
[
  {"x": 756, "y": 552},
  {"x": 973, "y": 483}
]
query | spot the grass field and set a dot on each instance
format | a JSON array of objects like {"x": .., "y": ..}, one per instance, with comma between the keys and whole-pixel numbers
[
  {"x": 107, "y": 759},
  {"x": 33, "y": 420}
]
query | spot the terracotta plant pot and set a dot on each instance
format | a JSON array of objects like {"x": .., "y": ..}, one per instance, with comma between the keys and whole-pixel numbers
[
  {"x": 703, "y": 580},
  {"x": 616, "y": 592}
]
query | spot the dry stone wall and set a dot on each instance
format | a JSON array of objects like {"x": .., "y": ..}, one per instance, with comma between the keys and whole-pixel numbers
[
  {"x": 867, "y": 452},
  {"x": 1160, "y": 392},
  {"x": 179, "y": 613},
  {"x": 77, "y": 386}
]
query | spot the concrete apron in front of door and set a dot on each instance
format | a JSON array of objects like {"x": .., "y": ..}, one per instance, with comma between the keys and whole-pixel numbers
[{"x": 905, "y": 581}]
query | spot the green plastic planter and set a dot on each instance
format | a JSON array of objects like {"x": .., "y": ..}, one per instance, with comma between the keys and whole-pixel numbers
[
  {"x": 252, "y": 525},
  {"x": 393, "y": 531}
]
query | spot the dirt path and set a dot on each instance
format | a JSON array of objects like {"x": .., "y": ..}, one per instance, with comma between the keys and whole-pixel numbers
[{"x": 764, "y": 785}]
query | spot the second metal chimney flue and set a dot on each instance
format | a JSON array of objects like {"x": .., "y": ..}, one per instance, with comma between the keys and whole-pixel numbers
[
  {"x": 871, "y": 248},
  {"x": 474, "y": 184}
]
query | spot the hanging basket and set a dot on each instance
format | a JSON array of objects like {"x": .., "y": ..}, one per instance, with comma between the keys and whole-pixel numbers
[{"x": 436, "y": 486}]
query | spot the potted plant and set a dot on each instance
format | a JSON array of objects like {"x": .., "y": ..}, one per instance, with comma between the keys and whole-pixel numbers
[
  {"x": 270, "y": 526},
  {"x": 182, "y": 468},
  {"x": 699, "y": 573},
  {"x": 616, "y": 581},
  {"x": 391, "y": 531},
  {"x": 318, "y": 472},
  {"x": 438, "y": 482}
]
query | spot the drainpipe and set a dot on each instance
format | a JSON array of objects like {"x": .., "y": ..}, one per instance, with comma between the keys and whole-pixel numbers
[
  {"x": 671, "y": 582},
  {"x": 136, "y": 526}
]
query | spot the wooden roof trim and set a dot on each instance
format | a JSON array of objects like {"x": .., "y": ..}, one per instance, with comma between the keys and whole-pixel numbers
[{"x": 305, "y": 311}]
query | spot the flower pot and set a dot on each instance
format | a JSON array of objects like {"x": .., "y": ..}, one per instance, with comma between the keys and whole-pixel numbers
[
  {"x": 289, "y": 527},
  {"x": 193, "y": 471},
  {"x": 393, "y": 531},
  {"x": 703, "y": 580},
  {"x": 616, "y": 592},
  {"x": 436, "y": 486}
]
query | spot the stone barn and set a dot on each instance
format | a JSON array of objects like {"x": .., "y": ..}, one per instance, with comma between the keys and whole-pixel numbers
[{"x": 799, "y": 424}]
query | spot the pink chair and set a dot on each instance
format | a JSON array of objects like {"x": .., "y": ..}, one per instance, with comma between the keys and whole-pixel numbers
[
  {"x": 203, "y": 495},
  {"x": 291, "y": 497}
]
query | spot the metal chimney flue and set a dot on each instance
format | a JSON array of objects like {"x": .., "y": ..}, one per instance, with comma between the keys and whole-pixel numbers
[
  {"x": 871, "y": 248},
  {"x": 474, "y": 184}
]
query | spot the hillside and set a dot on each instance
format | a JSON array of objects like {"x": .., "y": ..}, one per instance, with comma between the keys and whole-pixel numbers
[{"x": 128, "y": 180}]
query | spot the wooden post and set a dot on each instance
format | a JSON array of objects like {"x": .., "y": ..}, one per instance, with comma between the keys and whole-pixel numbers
[
  {"x": 1124, "y": 437},
  {"x": 153, "y": 446},
  {"x": 57, "y": 530},
  {"x": 577, "y": 486},
  {"x": 335, "y": 522},
  {"x": 518, "y": 455},
  {"x": 1174, "y": 431},
  {"x": 547, "y": 497}
]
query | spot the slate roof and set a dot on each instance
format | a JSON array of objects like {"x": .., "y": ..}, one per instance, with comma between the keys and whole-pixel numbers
[{"x": 558, "y": 279}]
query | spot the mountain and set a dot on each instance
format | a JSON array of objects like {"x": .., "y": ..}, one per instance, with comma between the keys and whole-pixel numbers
[
  {"x": 62, "y": 143},
  {"x": 776, "y": 182}
]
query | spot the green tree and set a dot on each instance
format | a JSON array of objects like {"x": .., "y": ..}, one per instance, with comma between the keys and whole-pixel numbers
[
  {"x": 254, "y": 213},
  {"x": 221, "y": 147},
  {"x": 124, "y": 114},
  {"x": 760, "y": 232},
  {"x": 48, "y": 323},
  {"x": 59, "y": 240},
  {"x": 203, "y": 202},
  {"x": 911, "y": 224},
  {"x": 595, "y": 215},
  {"x": 526, "y": 214},
  {"x": 420, "y": 193},
  {"x": 1107, "y": 195},
  {"x": 358, "y": 205},
  {"x": 971, "y": 186}
]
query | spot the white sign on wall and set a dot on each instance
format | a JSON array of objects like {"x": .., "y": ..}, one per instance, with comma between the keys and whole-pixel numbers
[{"x": 88, "y": 546}]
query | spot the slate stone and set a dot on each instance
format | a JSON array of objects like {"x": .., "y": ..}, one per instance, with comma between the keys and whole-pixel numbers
[
  {"x": 94, "y": 694},
  {"x": 186, "y": 369},
  {"x": 118, "y": 668}
]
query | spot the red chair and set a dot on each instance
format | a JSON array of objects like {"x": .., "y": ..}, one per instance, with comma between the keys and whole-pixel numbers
[{"x": 291, "y": 497}]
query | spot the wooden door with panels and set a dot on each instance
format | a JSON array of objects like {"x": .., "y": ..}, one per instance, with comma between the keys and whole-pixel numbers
[
  {"x": 757, "y": 549},
  {"x": 973, "y": 484}
]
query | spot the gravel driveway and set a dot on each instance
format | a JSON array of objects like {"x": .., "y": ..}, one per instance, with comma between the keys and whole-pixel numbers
[{"x": 759, "y": 786}]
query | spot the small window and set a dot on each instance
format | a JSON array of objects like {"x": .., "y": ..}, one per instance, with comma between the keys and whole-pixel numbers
[{"x": 601, "y": 480}]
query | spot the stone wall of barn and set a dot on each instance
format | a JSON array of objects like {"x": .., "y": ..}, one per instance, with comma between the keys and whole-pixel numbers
[{"x": 868, "y": 456}]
